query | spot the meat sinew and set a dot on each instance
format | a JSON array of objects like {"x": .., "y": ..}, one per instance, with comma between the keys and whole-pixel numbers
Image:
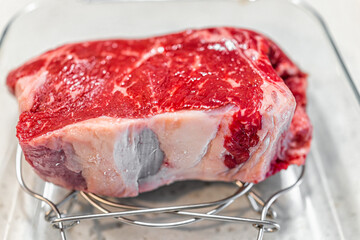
[{"x": 119, "y": 117}]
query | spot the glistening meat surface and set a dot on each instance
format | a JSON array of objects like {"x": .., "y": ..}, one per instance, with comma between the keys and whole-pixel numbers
[{"x": 119, "y": 117}]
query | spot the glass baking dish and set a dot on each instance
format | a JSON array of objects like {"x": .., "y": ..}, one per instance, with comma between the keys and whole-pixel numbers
[{"x": 326, "y": 204}]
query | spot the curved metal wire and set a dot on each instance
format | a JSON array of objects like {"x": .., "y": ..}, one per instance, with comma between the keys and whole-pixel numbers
[
  {"x": 267, "y": 224},
  {"x": 148, "y": 224},
  {"x": 95, "y": 203},
  {"x": 257, "y": 203},
  {"x": 98, "y": 201},
  {"x": 272, "y": 199},
  {"x": 221, "y": 204},
  {"x": 263, "y": 225},
  {"x": 34, "y": 194}
]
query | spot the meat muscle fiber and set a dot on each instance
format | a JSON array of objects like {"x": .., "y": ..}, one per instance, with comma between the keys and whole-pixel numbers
[{"x": 119, "y": 117}]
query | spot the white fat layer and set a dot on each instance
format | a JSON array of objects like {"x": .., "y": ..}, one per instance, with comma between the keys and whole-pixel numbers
[
  {"x": 201, "y": 147},
  {"x": 26, "y": 88},
  {"x": 278, "y": 106},
  {"x": 109, "y": 154},
  {"x": 185, "y": 136},
  {"x": 182, "y": 139}
]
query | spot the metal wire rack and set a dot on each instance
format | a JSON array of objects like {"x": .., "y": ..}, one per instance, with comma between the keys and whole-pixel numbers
[{"x": 121, "y": 213}]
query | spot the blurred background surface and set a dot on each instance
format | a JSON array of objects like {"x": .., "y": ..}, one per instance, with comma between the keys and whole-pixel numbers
[{"x": 342, "y": 17}]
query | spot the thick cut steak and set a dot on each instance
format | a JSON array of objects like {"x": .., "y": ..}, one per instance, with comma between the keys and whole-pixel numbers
[{"x": 119, "y": 117}]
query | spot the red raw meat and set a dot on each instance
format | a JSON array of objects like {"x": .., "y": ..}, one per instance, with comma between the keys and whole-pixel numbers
[{"x": 119, "y": 117}]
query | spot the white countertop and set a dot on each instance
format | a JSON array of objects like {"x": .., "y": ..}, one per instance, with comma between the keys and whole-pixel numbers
[{"x": 342, "y": 17}]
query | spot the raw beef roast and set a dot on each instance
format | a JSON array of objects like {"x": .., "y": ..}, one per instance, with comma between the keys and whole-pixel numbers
[{"x": 119, "y": 117}]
